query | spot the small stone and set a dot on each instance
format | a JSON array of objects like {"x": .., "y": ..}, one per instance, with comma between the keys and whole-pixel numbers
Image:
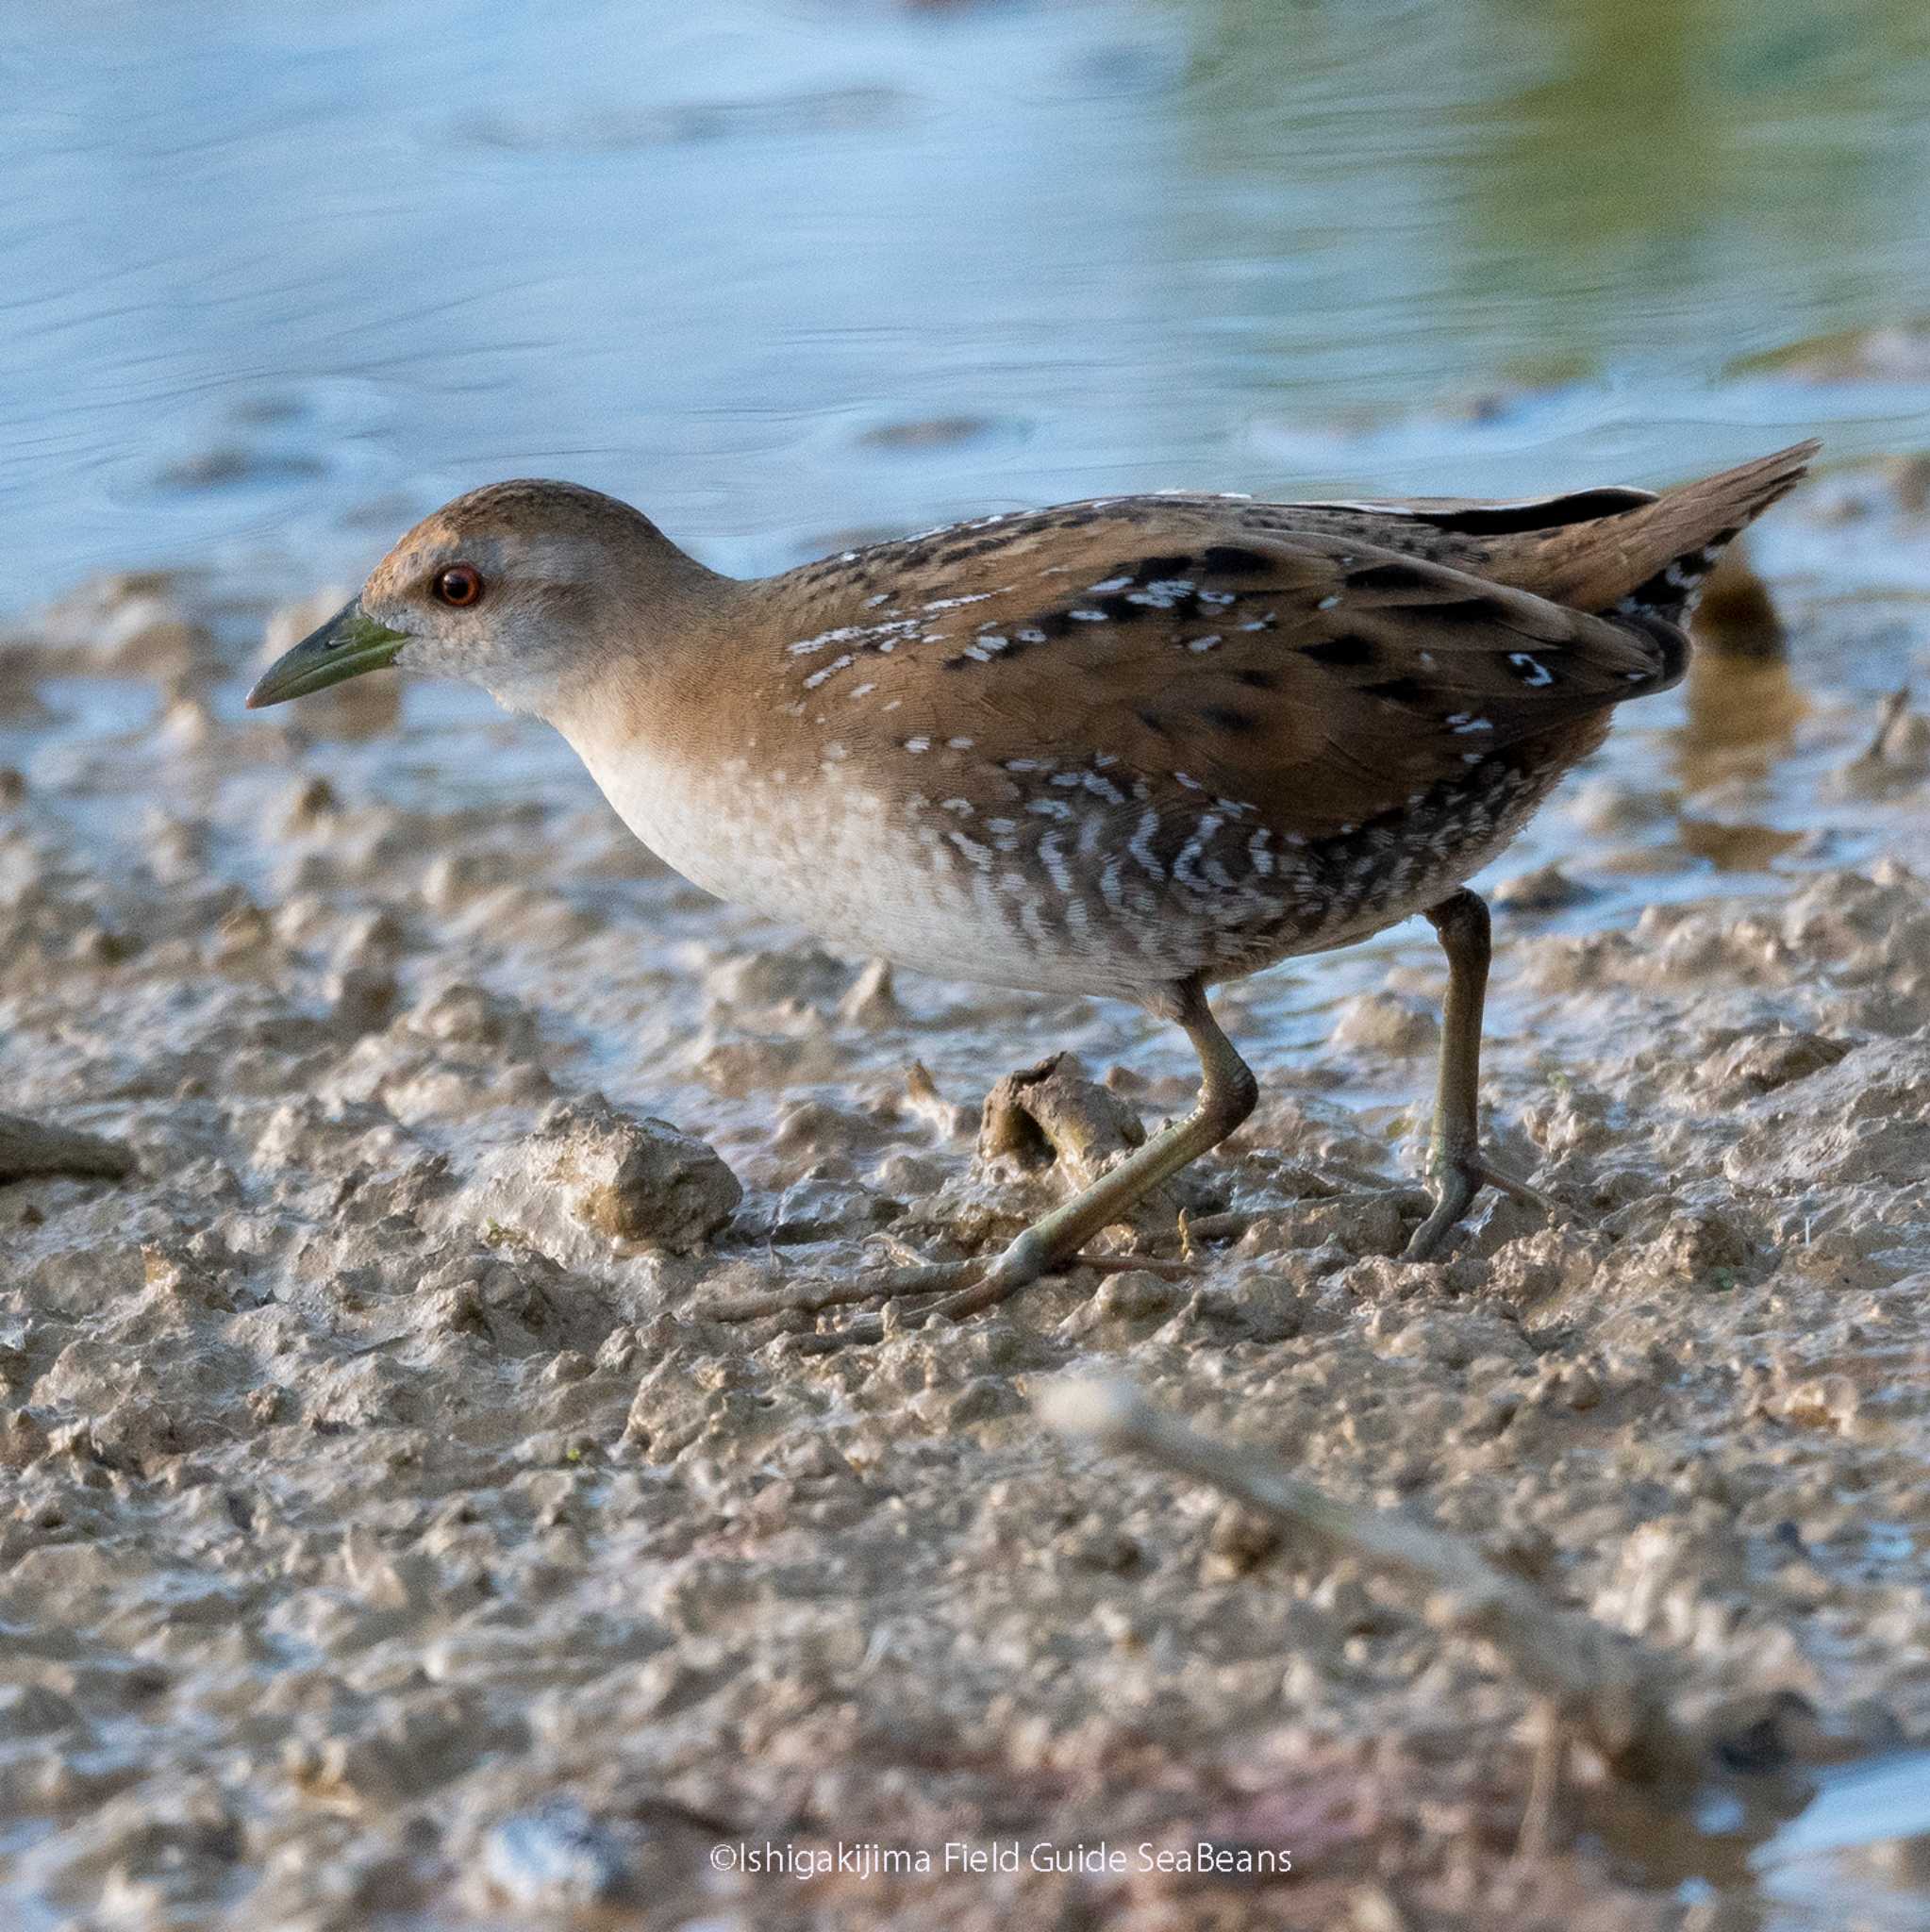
[
  {"x": 1547, "y": 888},
  {"x": 1051, "y": 1115},
  {"x": 188, "y": 724},
  {"x": 1387, "y": 1023},
  {"x": 1763, "y": 1063},
  {"x": 1607, "y": 807},
  {"x": 244, "y": 931},
  {"x": 361, "y": 998},
  {"x": 101, "y": 945},
  {"x": 1240, "y": 1540},
  {"x": 872, "y": 1001},
  {"x": 32, "y": 1710},
  {"x": 816, "y": 1209},
  {"x": 310, "y": 801},
  {"x": 1137, "y": 1294},
  {"x": 638, "y": 1180},
  {"x": 151, "y": 637},
  {"x": 464, "y": 1015}
]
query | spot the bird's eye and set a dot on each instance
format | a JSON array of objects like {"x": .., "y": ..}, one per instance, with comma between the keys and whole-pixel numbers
[{"x": 459, "y": 585}]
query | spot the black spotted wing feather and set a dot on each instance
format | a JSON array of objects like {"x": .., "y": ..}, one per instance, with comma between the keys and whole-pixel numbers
[
  {"x": 1318, "y": 679},
  {"x": 1373, "y": 677}
]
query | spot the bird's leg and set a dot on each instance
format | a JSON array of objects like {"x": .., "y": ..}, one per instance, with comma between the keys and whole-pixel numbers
[
  {"x": 1454, "y": 1154},
  {"x": 1227, "y": 1095}
]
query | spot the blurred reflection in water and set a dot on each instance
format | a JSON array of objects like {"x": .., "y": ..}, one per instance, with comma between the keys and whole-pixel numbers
[{"x": 782, "y": 270}]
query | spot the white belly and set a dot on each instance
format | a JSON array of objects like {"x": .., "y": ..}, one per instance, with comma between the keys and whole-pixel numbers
[{"x": 838, "y": 860}]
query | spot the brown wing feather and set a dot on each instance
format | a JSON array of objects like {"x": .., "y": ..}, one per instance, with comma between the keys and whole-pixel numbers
[{"x": 1315, "y": 678}]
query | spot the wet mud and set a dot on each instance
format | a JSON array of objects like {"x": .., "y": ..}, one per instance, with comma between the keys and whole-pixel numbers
[{"x": 398, "y": 1531}]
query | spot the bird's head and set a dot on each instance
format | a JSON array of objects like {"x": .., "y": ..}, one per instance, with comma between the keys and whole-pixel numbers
[{"x": 525, "y": 587}]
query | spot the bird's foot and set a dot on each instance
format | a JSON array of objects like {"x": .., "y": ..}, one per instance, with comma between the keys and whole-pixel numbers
[
  {"x": 962, "y": 1288},
  {"x": 1459, "y": 1178}
]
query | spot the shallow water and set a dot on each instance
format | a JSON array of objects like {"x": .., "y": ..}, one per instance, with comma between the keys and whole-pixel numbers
[{"x": 277, "y": 280}]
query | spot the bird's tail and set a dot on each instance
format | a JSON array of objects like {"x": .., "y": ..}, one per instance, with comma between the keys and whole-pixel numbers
[{"x": 1651, "y": 560}]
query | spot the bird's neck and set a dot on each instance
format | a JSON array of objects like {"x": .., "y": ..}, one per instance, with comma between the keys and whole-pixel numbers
[{"x": 676, "y": 686}]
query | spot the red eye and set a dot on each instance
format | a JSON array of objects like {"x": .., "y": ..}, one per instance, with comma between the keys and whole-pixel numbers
[{"x": 459, "y": 585}]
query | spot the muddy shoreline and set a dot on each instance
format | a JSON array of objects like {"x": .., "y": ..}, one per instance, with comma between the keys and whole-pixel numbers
[{"x": 395, "y": 1536}]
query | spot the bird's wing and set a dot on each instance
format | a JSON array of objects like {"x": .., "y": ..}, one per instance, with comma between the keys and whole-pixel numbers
[{"x": 1316, "y": 678}]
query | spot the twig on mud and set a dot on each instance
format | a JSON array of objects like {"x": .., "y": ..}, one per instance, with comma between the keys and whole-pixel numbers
[
  {"x": 1613, "y": 1691},
  {"x": 807, "y": 1297},
  {"x": 30, "y": 1147},
  {"x": 810, "y": 1297}
]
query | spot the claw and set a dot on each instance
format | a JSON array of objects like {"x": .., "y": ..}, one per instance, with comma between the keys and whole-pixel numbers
[{"x": 1461, "y": 1181}]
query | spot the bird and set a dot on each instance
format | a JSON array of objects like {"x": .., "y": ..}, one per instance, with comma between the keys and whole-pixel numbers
[{"x": 1132, "y": 747}]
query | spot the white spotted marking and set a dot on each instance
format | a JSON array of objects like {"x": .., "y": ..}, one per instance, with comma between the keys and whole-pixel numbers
[
  {"x": 1055, "y": 861},
  {"x": 825, "y": 638},
  {"x": 979, "y": 855},
  {"x": 916, "y": 744},
  {"x": 960, "y": 743},
  {"x": 1537, "y": 674},
  {"x": 1183, "y": 867},
  {"x": 1140, "y": 845},
  {"x": 1328, "y": 603},
  {"x": 1110, "y": 585},
  {"x": 831, "y": 670},
  {"x": 1198, "y": 646},
  {"x": 1088, "y": 616}
]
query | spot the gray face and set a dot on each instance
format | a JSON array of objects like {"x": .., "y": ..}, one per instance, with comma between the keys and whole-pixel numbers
[
  {"x": 514, "y": 613},
  {"x": 516, "y": 588}
]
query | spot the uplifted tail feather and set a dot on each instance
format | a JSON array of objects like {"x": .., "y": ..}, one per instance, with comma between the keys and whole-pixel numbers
[{"x": 1651, "y": 560}]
